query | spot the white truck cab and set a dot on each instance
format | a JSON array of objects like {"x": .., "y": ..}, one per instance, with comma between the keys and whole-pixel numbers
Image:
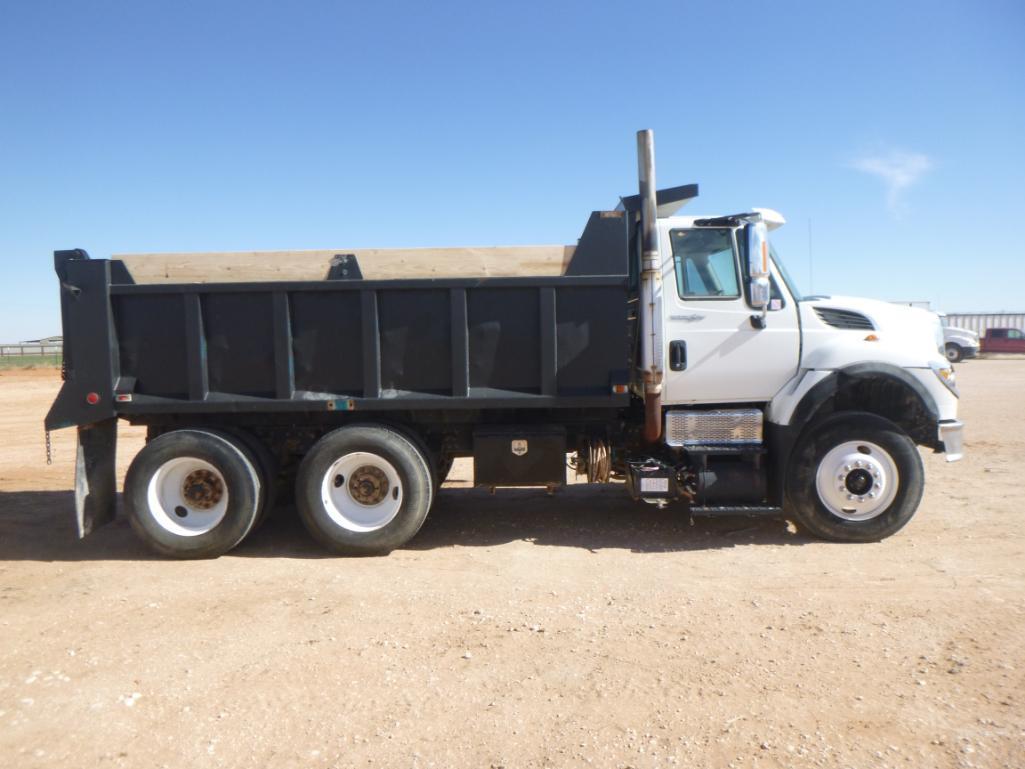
[{"x": 837, "y": 389}]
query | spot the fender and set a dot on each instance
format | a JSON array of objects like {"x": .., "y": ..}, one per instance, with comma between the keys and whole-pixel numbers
[{"x": 827, "y": 388}]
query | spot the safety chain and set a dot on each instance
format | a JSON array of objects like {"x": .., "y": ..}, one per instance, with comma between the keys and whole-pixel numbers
[{"x": 49, "y": 452}]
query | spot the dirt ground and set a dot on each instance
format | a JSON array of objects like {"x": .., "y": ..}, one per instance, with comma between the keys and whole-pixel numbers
[{"x": 521, "y": 630}]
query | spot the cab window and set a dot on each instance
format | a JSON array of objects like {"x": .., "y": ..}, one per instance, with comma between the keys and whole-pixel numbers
[{"x": 706, "y": 267}]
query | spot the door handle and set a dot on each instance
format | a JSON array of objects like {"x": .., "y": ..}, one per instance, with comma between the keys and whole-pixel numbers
[{"x": 677, "y": 355}]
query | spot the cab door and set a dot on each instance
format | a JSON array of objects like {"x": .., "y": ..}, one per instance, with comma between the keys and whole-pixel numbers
[
  {"x": 715, "y": 352},
  {"x": 1014, "y": 341}
]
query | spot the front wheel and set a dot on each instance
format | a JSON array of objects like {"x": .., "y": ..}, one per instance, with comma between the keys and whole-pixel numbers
[
  {"x": 364, "y": 489},
  {"x": 855, "y": 478},
  {"x": 954, "y": 353}
]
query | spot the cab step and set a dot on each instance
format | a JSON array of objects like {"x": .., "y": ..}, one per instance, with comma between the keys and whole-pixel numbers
[
  {"x": 713, "y": 448},
  {"x": 752, "y": 510}
]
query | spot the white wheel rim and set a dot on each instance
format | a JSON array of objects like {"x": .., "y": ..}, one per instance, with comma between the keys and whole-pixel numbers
[
  {"x": 361, "y": 492},
  {"x": 187, "y": 496},
  {"x": 951, "y": 354},
  {"x": 857, "y": 480}
]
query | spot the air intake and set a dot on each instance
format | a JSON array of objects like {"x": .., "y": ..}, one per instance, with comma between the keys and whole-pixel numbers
[{"x": 847, "y": 319}]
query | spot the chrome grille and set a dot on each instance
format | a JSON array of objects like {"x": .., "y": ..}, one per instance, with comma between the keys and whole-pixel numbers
[
  {"x": 844, "y": 319},
  {"x": 729, "y": 427}
]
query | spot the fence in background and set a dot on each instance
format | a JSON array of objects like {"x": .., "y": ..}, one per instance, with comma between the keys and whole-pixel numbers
[
  {"x": 980, "y": 321},
  {"x": 21, "y": 350}
]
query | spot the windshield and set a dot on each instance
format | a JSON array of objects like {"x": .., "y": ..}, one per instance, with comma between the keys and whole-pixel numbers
[{"x": 791, "y": 285}]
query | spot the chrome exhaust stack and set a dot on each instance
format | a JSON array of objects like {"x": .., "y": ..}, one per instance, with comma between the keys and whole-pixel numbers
[{"x": 650, "y": 289}]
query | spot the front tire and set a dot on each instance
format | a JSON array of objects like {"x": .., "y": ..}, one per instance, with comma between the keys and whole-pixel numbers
[
  {"x": 856, "y": 477},
  {"x": 954, "y": 353},
  {"x": 192, "y": 494},
  {"x": 364, "y": 490}
]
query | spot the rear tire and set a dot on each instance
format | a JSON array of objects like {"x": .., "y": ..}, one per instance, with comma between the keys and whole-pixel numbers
[
  {"x": 267, "y": 465},
  {"x": 445, "y": 462},
  {"x": 856, "y": 477},
  {"x": 954, "y": 353},
  {"x": 364, "y": 490},
  {"x": 192, "y": 494}
]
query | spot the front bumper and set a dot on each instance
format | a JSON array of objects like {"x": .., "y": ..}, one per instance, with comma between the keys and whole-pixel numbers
[{"x": 952, "y": 438}]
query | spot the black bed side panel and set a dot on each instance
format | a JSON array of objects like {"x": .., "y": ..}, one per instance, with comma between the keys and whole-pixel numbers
[
  {"x": 504, "y": 327},
  {"x": 592, "y": 338},
  {"x": 238, "y": 330},
  {"x": 151, "y": 336},
  {"x": 327, "y": 343},
  {"x": 416, "y": 341}
]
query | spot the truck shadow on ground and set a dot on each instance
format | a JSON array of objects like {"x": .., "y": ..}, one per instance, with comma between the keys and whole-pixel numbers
[
  {"x": 593, "y": 518},
  {"x": 39, "y": 526}
]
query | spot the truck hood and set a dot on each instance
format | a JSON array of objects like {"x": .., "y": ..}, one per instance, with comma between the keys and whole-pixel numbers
[
  {"x": 837, "y": 332},
  {"x": 956, "y": 333}
]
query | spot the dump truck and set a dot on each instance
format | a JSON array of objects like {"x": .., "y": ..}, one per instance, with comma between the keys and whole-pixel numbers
[{"x": 671, "y": 354}]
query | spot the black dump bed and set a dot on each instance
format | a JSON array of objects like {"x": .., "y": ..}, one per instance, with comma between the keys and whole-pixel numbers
[{"x": 347, "y": 344}]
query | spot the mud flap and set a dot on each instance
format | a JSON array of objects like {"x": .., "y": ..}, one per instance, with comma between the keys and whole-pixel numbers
[{"x": 95, "y": 481}]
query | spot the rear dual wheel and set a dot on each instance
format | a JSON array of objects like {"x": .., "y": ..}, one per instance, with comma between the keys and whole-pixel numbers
[
  {"x": 266, "y": 463},
  {"x": 195, "y": 493},
  {"x": 364, "y": 489}
]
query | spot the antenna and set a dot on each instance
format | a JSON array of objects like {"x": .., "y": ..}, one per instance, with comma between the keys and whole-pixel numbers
[{"x": 811, "y": 262}]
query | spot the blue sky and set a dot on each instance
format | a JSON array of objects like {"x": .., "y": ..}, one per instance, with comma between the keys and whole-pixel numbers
[{"x": 896, "y": 129}]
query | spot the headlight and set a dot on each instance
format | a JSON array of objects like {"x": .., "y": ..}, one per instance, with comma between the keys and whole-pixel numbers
[{"x": 945, "y": 373}]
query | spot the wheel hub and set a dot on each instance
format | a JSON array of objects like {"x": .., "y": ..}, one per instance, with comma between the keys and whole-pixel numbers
[
  {"x": 202, "y": 489},
  {"x": 861, "y": 480},
  {"x": 857, "y": 480},
  {"x": 368, "y": 485}
]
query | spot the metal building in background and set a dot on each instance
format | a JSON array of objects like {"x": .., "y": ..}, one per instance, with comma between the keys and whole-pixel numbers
[{"x": 980, "y": 321}]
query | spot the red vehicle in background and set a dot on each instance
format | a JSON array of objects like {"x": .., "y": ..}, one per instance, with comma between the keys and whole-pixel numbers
[{"x": 1003, "y": 340}]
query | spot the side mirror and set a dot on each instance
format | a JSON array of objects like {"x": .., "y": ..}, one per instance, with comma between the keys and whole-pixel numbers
[
  {"x": 760, "y": 293},
  {"x": 758, "y": 263}
]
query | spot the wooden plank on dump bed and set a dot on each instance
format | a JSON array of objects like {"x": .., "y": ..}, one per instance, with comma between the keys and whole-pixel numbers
[{"x": 375, "y": 264}]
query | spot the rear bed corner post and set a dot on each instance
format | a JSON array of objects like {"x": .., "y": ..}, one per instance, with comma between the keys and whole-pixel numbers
[{"x": 95, "y": 480}]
